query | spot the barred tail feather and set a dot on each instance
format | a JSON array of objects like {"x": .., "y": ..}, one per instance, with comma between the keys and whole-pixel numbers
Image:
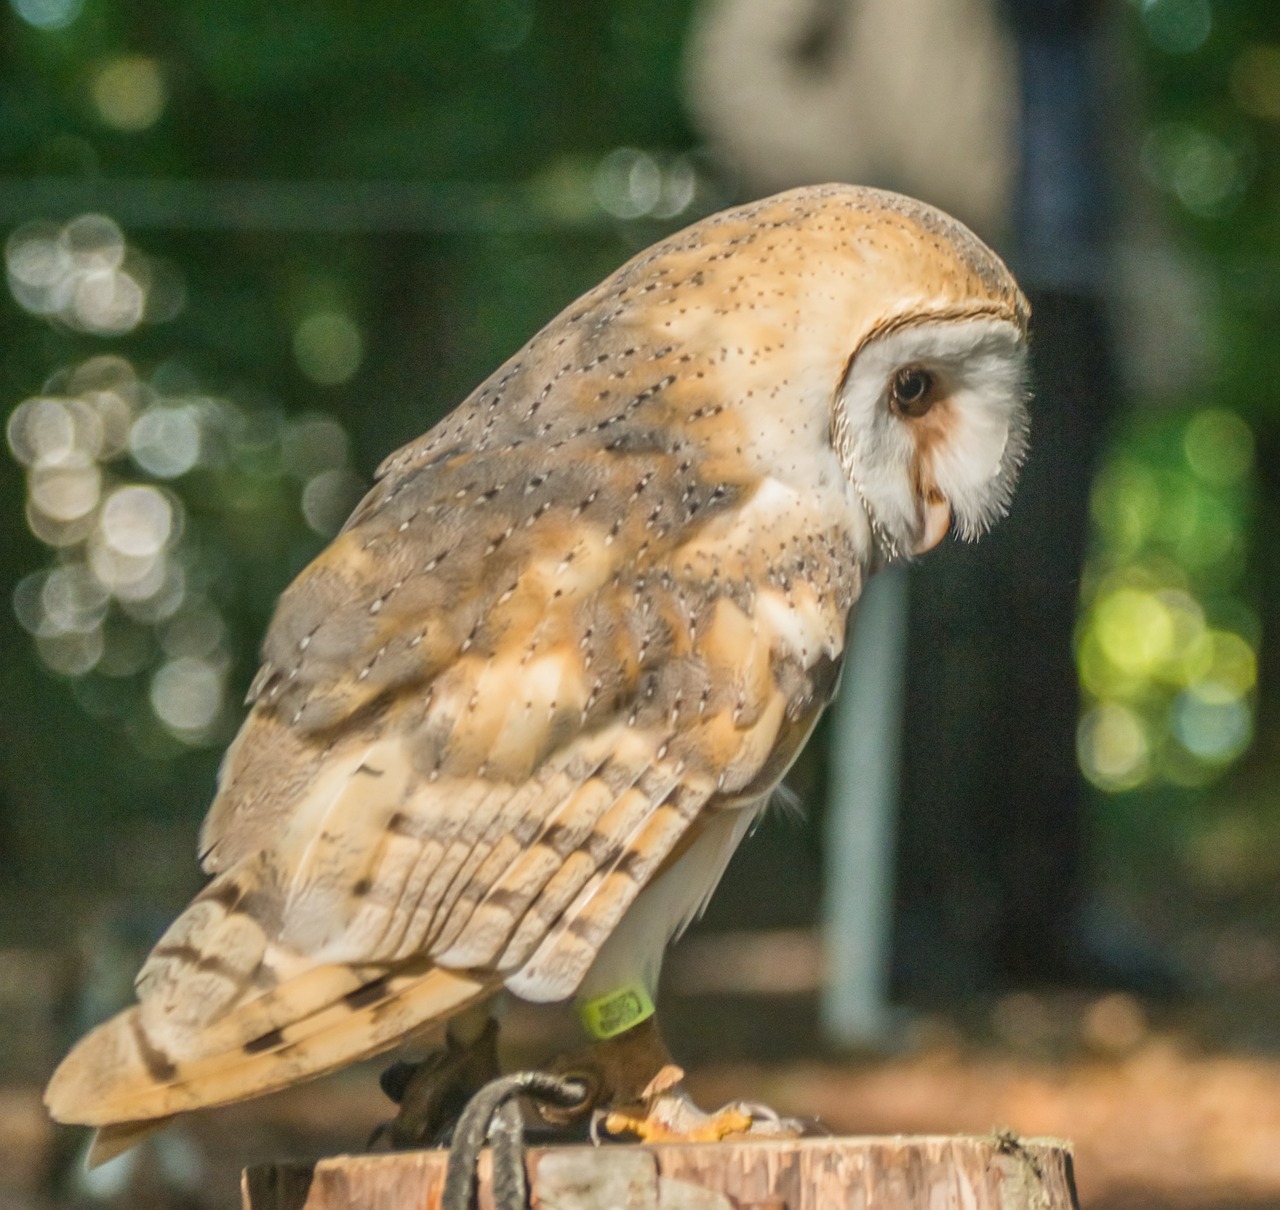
[{"x": 118, "y": 1077}]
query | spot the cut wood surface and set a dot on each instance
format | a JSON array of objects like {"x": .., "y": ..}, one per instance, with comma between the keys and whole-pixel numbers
[{"x": 999, "y": 1172}]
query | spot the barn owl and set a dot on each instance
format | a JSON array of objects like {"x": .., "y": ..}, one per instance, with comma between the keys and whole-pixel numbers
[{"x": 511, "y": 724}]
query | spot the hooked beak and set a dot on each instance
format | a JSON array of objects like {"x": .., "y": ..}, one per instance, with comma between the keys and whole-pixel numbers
[{"x": 937, "y": 520}]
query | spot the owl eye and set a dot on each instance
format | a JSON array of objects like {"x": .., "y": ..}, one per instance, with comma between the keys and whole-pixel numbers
[{"x": 912, "y": 391}]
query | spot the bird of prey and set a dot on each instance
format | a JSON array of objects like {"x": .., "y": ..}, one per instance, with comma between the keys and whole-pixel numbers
[{"x": 512, "y": 723}]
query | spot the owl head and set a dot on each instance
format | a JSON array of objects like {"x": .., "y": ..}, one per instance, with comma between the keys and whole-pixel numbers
[
  {"x": 930, "y": 425},
  {"x": 929, "y": 419},
  {"x": 855, "y": 320}
]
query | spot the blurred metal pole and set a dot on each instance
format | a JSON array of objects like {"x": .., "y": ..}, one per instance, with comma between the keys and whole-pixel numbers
[{"x": 866, "y": 737}]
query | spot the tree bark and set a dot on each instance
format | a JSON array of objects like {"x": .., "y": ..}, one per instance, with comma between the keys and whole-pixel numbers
[{"x": 999, "y": 1172}]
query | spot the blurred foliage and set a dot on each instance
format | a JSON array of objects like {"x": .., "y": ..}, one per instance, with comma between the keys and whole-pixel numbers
[
  {"x": 195, "y": 400},
  {"x": 1212, "y": 146},
  {"x": 1167, "y": 644},
  {"x": 1177, "y": 642},
  {"x": 545, "y": 142}
]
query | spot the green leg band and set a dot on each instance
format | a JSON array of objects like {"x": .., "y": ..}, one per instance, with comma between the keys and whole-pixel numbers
[{"x": 614, "y": 1014}]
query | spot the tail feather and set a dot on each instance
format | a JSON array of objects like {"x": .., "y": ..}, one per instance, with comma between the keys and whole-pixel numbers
[
  {"x": 111, "y": 1141},
  {"x": 118, "y": 1075}
]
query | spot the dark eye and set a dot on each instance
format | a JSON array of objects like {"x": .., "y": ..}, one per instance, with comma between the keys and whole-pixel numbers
[{"x": 912, "y": 391}]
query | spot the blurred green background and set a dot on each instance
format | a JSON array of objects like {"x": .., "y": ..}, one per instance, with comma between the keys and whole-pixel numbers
[
  {"x": 401, "y": 195},
  {"x": 1179, "y": 632},
  {"x": 251, "y": 249}
]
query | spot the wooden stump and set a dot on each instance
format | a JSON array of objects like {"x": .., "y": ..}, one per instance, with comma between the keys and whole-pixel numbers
[{"x": 999, "y": 1172}]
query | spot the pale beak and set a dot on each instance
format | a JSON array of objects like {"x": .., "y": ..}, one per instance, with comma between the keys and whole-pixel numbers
[{"x": 937, "y": 520}]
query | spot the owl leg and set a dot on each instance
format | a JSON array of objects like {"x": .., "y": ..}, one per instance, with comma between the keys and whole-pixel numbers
[
  {"x": 638, "y": 1089},
  {"x": 432, "y": 1094}
]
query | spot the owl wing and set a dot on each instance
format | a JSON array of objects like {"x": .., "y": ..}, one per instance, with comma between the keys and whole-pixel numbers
[{"x": 487, "y": 715}]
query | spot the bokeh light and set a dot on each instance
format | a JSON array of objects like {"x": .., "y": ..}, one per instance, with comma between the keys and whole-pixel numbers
[
  {"x": 1177, "y": 27},
  {"x": 502, "y": 25},
  {"x": 313, "y": 444},
  {"x": 1114, "y": 1024},
  {"x": 129, "y": 594},
  {"x": 48, "y": 14},
  {"x": 73, "y": 653},
  {"x": 129, "y": 93},
  {"x": 1255, "y": 81},
  {"x": 1113, "y": 747},
  {"x": 86, "y": 276},
  {"x": 328, "y": 347},
  {"x": 632, "y": 184},
  {"x": 1219, "y": 447},
  {"x": 1166, "y": 646},
  {"x": 328, "y": 498},
  {"x": 137, "y": 520},
  {"x": 1211, "y": 722},
  {"x": 187, "y": 694},
  {"x": 165, "y": 441},
  {"x": 1204, "y": 171}
]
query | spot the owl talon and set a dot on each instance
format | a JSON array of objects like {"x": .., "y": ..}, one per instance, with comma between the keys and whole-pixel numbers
[
  {"x": 679, "y": 1121},
  {"x": 674, "y": 1118},
  {"x": 637, "y": 1092}
]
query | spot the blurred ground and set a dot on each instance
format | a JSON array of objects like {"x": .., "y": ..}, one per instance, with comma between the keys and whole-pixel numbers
[{"x": 1166, "y": 1106}]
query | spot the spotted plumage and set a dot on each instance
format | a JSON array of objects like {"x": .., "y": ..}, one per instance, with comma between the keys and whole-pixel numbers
[{"x": 511, "y": 724}]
